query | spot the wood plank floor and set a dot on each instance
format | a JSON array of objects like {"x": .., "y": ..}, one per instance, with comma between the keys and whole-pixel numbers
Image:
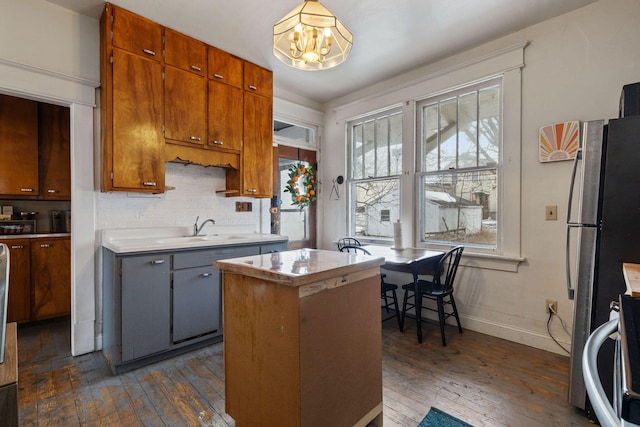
[{"x": 483, "y": 380}]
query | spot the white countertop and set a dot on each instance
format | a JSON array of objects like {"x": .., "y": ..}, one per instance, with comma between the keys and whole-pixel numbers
[{"x": 127, "y": 240}]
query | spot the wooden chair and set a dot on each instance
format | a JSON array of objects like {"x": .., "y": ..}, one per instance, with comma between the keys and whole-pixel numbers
[
  {"x": 388, "y": 292},
  {"x": 439, "y": 289},
  {"x": 348, "y": 241}
]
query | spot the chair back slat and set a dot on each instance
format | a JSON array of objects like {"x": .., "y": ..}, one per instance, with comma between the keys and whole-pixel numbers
[
  {"x": 348, "y": 241},
  {"x": 448, "y": 268},
  {"x": 354, "y": 249}
]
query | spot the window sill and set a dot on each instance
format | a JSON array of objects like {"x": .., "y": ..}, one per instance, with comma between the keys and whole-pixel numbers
[{"x": 491, "y": 262}]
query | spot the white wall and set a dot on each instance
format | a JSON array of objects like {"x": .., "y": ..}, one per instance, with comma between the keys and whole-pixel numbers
[{"x": 575, "y": 67}]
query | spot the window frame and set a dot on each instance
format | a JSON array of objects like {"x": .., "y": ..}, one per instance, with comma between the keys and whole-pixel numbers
[
  {"x": 421, "y": 173},
  {"x": 352, "y": 182}
]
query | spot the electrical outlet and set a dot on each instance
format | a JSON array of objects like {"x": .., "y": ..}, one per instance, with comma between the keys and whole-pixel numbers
[
  {"x": 551, "y": 213},
  {"x": 553, "y": 303}
]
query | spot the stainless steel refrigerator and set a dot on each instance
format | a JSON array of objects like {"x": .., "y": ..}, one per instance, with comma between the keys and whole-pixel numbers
[
  {"x": 603, "y": 232},
  {"x": 4, "y": 295}
]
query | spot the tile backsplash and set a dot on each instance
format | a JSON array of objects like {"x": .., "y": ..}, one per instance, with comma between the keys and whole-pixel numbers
[{"x": 194, "y": 195}]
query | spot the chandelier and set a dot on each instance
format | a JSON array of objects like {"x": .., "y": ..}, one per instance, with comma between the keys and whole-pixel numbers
[{"x": 311, "y": 38}]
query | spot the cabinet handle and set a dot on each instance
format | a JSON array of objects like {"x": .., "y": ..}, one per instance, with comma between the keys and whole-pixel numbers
[
  {"x": 206, "y": 274},
  {"x": 195, "y": 138},
  {"x": 216, "y": 142},
  {"x": 157, "y": 261},
  {"x": 218, "y": 76},
  {"x": 252, "y": 87},
  {"x": 149, "y": 52},
  {"x": 252, "y": 190},
  {"x": 195, "y": 67},
  {"x": 26, "y": 190},
  {"x": 17, "y": 247},
  {"x": 46, "y": 245},
  {"x": 149, "y": 184},
  {"x": 51, "y": 190}
]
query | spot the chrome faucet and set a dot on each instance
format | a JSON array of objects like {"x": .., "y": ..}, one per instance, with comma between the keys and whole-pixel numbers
[{"x": 197, "y": 229}]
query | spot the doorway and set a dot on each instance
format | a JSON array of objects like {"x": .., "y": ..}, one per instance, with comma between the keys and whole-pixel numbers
[{"x": 286, "y": 218}]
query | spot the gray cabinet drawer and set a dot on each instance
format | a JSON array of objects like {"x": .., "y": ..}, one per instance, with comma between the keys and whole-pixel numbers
[{"x": 205, "y": 257}]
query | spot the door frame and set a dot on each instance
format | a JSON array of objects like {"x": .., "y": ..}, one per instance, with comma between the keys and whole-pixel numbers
[{"x": 309, "y": 156}]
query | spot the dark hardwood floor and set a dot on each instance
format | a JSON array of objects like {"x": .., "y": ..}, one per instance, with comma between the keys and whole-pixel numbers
[{"x": 483, "y": 380}]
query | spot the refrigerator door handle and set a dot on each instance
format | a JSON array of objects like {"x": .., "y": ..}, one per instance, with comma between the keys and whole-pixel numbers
[
  {"x": 573, "y": 182},
  {"x": 570, "y": 289}
]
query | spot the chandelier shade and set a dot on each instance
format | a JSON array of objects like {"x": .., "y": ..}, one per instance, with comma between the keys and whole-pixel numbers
[{"x": 311, "y": 38}]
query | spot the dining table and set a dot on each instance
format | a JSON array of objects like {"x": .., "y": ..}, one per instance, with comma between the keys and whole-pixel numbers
[{"x": 414, "y": 261}]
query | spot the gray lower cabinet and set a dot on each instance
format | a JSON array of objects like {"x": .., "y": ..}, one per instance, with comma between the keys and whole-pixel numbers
[
  {"x": 146, "y": 305},
  {"x": 158, "y": 303}
]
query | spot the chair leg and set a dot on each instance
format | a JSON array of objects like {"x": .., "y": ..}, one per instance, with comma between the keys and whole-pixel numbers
[
  {"x": 441, "y": 319},
  {"x": 455, "y": 312},
  {"x": 386, "y": 301},
  {"x": 395, "y": 304},
  {"x": 418, "y": 309}
]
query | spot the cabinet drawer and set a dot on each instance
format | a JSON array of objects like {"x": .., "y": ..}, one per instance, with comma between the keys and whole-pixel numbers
[
  {"x": 196, "y": 302},
  {"x": 136, "y": 34},
  {"x": 207, "y": 257}
]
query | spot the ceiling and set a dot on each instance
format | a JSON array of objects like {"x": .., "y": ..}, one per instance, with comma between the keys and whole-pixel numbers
[{"x": 390, "y": 36}]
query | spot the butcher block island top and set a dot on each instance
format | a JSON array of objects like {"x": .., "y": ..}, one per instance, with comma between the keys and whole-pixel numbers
[{"x": 302, "y": 339}]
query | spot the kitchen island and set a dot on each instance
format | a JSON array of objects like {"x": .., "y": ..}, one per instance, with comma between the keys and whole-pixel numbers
[{"x": 302, "y": 344}]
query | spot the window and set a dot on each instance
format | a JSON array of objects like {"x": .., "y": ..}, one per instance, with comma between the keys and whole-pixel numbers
[
  {"x": 460, "y": 139},
  {"x": 376, "y": 162}
]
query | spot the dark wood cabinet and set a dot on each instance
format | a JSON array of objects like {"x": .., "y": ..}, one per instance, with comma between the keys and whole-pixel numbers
[
  {"x": 134, "y": 33},
  {"x": 50, "y": 277},
  {"x": 184, "y": 52},
  {"x": 258, "y": 80},
  {"x": 224, "y": 67},
  {"x": 225, "y": 116},
  {"x": 19, "y": 303},
  {"x": 18, "y": 146},
  {"x": 54, "y": 154},
  {"x": 132, "y": 103}
]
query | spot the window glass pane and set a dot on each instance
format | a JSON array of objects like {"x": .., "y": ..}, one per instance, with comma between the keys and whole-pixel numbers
[
  {"x": 369, "y": 149},
  {"x": 489, "y": 125},
  {"x": 395, "y": 144},
  {"x": 467, "y": 132},
  {"x": 382, "y": 147},
  {"x": 358, "y": 153},
  {"x": 448, "y": 133},
  {"x": 291, "y": 132},
  {"x": 371, "y": 199},
  {"x": 460, "y": 207},
  {"x": 430, "y": 137}
]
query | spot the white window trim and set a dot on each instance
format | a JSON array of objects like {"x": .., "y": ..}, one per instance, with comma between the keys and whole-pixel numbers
[{"x": 446, "y": 76}]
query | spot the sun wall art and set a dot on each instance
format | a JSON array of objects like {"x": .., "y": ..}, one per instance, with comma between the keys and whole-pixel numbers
[{"x": 559, "y": 141}]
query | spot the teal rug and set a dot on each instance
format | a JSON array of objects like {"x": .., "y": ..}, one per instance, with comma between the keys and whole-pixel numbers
[{"x": 437, "y": 418}]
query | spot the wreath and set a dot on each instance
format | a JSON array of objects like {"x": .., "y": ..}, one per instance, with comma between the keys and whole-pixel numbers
[{"x": 302, "y": 185}]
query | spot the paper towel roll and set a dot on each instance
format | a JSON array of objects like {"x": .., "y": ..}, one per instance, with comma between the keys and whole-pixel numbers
[{"x": 397, "y": 235}]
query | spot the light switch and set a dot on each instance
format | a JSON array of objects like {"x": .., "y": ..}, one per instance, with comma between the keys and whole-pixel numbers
[{"x": 551, "y": 213}]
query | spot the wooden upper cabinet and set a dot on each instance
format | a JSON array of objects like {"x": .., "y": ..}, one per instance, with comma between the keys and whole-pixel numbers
[
  {"x": 18, "y": 146},
  {"x": 258, "y": 80},
  {"x": 225, "y": 116},
  {"x": 185, "y": 52},
  {"x": 50, "y": 277},
  {"x": 54, "y": 154},
  {"x": 19, "y": 305},
  {"x": 137, "y": 143},
  {"x": 257, "y": 151},
  {"x": 136, "y": 34},
  {"x": 224, "y": 67},
  {"x": 185, "y": 107}
]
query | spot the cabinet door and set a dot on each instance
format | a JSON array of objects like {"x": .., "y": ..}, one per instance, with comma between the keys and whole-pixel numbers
[
  {"x": 136, "y": 34},
  {"x": 225, "y": 116},
  {"x": 137, "y": 142},
  {"x": 18, "y": 309},
  {"x": 184, "y": 52},
  {"x": 54, "y": 160},
  {"x": 50, "y": 278},
  {"x": 258, "y": 80},
  {"x": 185, "y": 106},
  {"x": 196, "y": 302},
  {"x": 146, "y": 305},
  {"x": 224, "y": 67},
  {"x": 257, "y": 150},
  {"x": 18, "y": 146}
]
